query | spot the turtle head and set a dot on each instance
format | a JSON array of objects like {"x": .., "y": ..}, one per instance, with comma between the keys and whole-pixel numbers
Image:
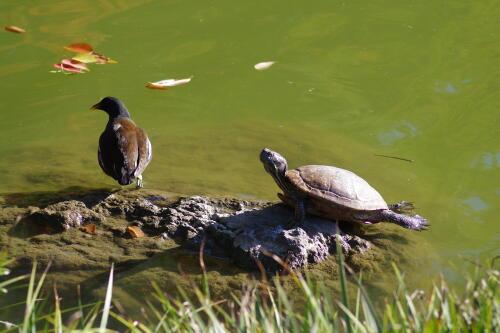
[
  {"x": 112, "y": 106},
  {"x": 274, "y": 163}
]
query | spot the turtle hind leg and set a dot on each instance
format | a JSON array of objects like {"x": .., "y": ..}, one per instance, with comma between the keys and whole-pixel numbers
[
  {"x": 415, "y": 222},
  {"x": 403, "y": 207}
]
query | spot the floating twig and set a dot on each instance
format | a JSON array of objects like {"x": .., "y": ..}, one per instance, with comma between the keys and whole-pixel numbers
[{"x": 395, "y": 157}]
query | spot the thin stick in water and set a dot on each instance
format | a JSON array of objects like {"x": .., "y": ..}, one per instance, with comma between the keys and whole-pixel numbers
[{"x": 395, "y": 157}]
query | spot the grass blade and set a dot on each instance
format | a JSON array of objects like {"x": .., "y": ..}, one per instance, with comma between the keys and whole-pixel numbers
[
  {"x": 107, "y": 302},
  {"x": 343, "y": 283}
]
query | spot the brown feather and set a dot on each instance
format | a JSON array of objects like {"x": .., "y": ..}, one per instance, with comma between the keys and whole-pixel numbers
[{"x": 123, "y": 149}]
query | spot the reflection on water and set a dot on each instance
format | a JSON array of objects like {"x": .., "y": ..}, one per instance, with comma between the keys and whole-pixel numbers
[
  {"x": 401, "y": 130},
  {"x": 447, "y": 87},
  {"x": 476, "y": 204},
  {"x": 486, "y": 161}
]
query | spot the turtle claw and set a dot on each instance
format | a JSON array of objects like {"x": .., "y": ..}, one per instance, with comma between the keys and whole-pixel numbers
[
  {"x": 421, "y": 225},
  {"x": 415, "y": 222}
]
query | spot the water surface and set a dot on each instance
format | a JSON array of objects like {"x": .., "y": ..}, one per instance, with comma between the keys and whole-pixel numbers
[{"x": 414, "y": 79}]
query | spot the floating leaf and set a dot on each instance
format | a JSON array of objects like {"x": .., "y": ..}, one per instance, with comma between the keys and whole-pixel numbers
[
  {"x": 13, "y": 28},
  {"x": 153, "y": 86},
  {"x": 80, "y": 47},
  {"x": 161, "y": 85},
  {"x": 100, "y": 58},
  {"x": 68, "y": 68},
  {"x": 135, "y": 232},
  {"x": 75, "y": 63},
  {"x": 94, "y": 57},
  {"x": 89, "y": 229},
  {"x": 103, "y": 59},
  {"x": 85, "y": 58},
  {"x": 264, "y": 65}
]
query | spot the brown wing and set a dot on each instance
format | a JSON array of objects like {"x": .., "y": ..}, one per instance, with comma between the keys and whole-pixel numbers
[
  {"x": 118, "y": 150},
  {"x": 341, "y": 186},
  {"x": 145, "y": 151}
]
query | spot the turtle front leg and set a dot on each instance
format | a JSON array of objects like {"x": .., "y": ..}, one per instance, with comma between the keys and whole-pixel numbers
[{"x": 299, "y": 214}]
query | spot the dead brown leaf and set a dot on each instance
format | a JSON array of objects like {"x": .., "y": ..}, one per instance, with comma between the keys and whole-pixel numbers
[
  {"x": 135, "y": 232},
  {"x": 89, "y": 229},
  {"x": 80, "y": 47},
  {"x": 13, "y": 28}
]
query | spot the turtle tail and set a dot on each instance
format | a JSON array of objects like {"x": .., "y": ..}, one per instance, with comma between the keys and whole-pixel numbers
[{"x": 415, "y": 222}]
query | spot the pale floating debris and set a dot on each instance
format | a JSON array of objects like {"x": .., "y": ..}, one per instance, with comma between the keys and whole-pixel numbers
[
  {"x": 154, "y": 86},
  {"x": 163, "y": 84},
  {"x": 264, "y": 65},
  {"x": 13, "y": 28}
]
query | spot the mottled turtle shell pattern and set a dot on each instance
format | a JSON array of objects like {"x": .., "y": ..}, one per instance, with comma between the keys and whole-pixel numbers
[{"x": 336, "y": 185}]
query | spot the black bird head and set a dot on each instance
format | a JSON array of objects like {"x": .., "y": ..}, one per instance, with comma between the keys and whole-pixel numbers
[{"x": 113, "y": 107}]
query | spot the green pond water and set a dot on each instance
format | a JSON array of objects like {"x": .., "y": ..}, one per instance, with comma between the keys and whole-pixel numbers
[{"x": 413, "y": 79}]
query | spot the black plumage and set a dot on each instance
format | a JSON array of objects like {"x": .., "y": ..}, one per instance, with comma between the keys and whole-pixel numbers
[{"x": 124, "y": 148}]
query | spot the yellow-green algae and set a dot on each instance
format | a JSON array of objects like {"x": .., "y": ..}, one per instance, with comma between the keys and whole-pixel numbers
[{"x": 81, "y": 258}]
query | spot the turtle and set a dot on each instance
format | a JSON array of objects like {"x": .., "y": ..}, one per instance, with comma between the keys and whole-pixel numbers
[{"x": 335, "y": 194}]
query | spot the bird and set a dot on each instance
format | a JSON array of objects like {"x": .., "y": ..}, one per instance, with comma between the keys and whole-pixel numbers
[{"x": 124, "y": 148}]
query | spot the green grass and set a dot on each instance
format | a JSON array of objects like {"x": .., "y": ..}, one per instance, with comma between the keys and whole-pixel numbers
[{"x": 266, "y": 307}]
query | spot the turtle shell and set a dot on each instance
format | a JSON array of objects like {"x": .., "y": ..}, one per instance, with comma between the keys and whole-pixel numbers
[{"x": 336, "y": 185}]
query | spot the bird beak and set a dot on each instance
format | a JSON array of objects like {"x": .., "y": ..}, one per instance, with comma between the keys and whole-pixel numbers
[{"x": 95, "y": 106}]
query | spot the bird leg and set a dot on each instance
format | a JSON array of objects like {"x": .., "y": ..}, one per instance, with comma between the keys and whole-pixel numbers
[{"x": 139, "y": 182}]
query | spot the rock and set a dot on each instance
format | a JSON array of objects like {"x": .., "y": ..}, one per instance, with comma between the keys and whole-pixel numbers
[
  {"x": 251, "y": 234},
  {"x": 64, "y": 215},
  {"x": 243, "y": 231}
]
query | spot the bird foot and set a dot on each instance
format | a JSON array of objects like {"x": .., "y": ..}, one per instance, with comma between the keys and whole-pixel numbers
[{"x": 139, "y": 182}]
